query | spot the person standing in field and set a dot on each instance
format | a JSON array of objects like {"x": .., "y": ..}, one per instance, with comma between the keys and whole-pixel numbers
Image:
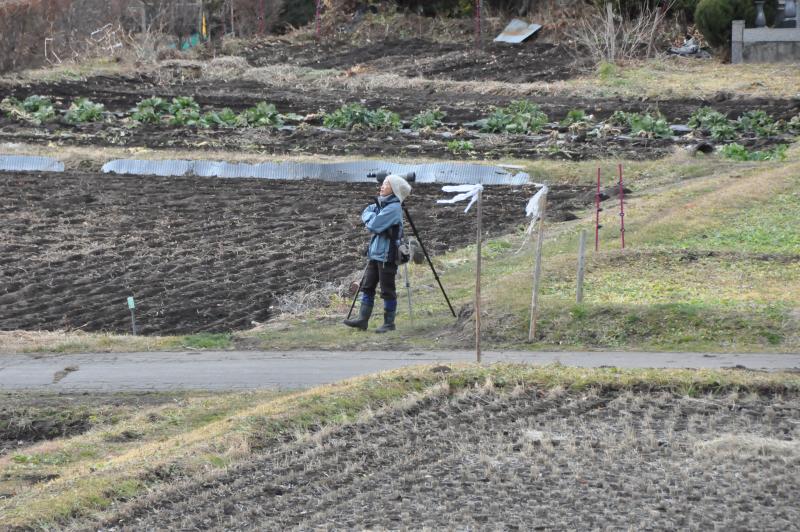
[{"x": 384, "y": 220}]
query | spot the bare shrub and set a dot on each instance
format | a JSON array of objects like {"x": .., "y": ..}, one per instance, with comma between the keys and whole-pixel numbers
[
  {"x": 316, "y": 296},
  {"x": 146, "y": 47},
  {"x": 613, "y": 38},
  {"x": 225, "y": 67}
]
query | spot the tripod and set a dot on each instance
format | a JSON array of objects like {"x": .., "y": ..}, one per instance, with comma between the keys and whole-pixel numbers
[{"x": 427, "y": 257}]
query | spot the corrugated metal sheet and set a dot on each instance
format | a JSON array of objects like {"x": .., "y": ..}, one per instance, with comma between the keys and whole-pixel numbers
[
  {"x": 25, "y": 163},
  {"x": 351, "y": 172},
  {"x": 517, "y": 31},
  {"x": 144, "y": 167}
]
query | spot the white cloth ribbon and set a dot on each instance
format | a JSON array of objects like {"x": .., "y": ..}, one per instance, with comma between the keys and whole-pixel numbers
[
  {"x": 534, "y": 210},
  {"x": 466, "y": 192},
  {"x": 536, "y": 203}
]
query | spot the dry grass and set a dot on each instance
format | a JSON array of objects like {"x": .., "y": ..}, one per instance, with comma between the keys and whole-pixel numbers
[
  {"x": 77, "y": 341},
  {"x": 196, "y": 436},
  {"x": 663, "y": 77}
]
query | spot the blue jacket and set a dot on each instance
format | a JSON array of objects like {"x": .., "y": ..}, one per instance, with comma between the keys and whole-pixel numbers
[{"x": 379, "y": 221}]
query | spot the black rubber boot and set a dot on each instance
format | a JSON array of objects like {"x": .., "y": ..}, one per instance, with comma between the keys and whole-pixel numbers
[
  {"x": 363, "y": 318},
  {"x": 388, "y": 322}
]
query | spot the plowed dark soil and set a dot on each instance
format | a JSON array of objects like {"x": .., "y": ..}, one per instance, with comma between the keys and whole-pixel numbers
[
  {"x": 120, "y": 94},
  {"x": 314, "y": 140},
  {"x": 526, "y": 62},
  {"x": 198, "y": 254},
  {"x": 529, "y": 461},
  {"x": 26, "y": 418}
]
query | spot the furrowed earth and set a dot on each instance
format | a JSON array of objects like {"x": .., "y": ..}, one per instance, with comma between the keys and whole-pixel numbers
[
  {"x": 520, "y": 461},
  {"x": 218, "y": 255},
  {"x": 215, "y": 88},
  {"x": 201, "y": 254}
]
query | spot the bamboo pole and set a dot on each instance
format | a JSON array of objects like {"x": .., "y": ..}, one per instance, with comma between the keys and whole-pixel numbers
[
  {"x": 597, "y": 213},
  {"x": 621, "y": 209},
  {"x": 581, "y": 266},
  {"x": 478, "y": 281},
  {"x": 537, "y": 273}
]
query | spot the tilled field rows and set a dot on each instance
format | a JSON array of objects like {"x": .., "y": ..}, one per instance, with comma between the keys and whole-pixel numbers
[
  {"x": 519, "y": 462},
  {"x": 119, "y": 94},
  {"x": 198, "y": 254},
  {"x": 318, "y": 140}
]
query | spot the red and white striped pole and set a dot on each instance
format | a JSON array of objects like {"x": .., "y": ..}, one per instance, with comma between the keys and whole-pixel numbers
[
  {"x": 621, "y": 209},
  {"x": 597, "y": 214}
]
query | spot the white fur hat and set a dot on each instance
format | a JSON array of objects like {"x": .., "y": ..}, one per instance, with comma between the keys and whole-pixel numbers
[{"x": 400, "y": 186}]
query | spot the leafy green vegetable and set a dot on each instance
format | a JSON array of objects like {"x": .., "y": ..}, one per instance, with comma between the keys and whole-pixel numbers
[
  {"x": 224, "y": 118},
  {"x": 518, "y": 118},
  {"x": 758, "y": 123},
  {"x": 737, "y": 152},
  {"x": 262, "y": 115},
  {"x": 460, "y": 146},
  {"x": 619, "y": 118},
  {"x": 648, "y": 124},
  {"x": 714, "y": 122},
  {"x": 150, "y": 110},
  {"x": 574, "y": 116},
  {"x": 84, "y": 110},
  {"x": 183, "y": 103},
  {"x": 34, "y": 109},
  {"x": 431, "y": 119},
  {"x": 187, "y": 117},
  {"x": 354, "y": 115}
]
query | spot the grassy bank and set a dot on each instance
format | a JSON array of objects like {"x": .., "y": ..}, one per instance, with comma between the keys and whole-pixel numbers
[
  {"x": 712, "y": 263},
  {"x": 671, "y": 77},
  {"x": 64, "y": 480}
]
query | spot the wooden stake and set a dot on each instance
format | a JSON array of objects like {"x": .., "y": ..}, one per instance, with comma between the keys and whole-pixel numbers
[
  {"x": 537, "y": 274},
  {"x": 581, "y": 266},
  {"x": 318, "y": 19},
  {"x": 478, "y": 281},
  {"x": 478, "y": 24},
  {"x": 611, "y": 35},
  {"x": 233, "y": 28}
]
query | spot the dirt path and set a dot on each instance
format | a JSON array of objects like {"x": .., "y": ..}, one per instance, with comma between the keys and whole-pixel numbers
[{"x": 229, "y": 370}]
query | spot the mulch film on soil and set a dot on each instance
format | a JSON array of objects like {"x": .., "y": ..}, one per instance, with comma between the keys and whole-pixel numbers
[
  {"x": 532, "y": 460},
  {"x": 199, "y": 254}
]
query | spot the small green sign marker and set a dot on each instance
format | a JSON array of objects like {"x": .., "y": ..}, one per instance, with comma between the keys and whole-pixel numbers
[{"x": 131, "y": 303}]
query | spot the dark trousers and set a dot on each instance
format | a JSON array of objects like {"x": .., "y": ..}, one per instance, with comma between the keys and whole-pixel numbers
[{"x": 382, "y": 273}]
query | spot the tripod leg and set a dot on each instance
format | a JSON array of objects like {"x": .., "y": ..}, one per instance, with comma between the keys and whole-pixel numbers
[
  {"x": 355, "y": 297},
  {"x": 427, "y": 257}
]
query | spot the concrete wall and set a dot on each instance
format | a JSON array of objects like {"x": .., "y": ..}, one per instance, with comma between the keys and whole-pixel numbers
[{"x": 764, "y": 45}]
